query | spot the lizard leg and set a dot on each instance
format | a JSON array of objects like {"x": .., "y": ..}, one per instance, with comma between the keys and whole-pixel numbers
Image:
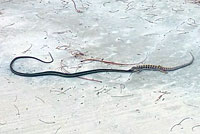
[
  {"x": 138, "y": 71},
  {"x": 161, "y": 69}
]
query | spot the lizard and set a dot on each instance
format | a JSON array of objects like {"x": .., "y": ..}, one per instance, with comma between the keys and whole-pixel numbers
[{"x": 139, "y": 68}]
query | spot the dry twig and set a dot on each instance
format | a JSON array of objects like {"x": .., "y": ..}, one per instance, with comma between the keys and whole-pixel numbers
[
  {"x": 27, "y": 49},
  {"x": 163, "y": 93},
  {"x": 17, "y": 110},
  {"x": 121, "y": 96},
  {"x": 79, "y": 54},
  {"x": 194, "y": 1},
  {"x": 62, "y": 67},
  {"x": 53, "y": 122},
  {"x": 62, "y": 91},
  {"x": 113, "y": 63},
  {"x": 57, "y": 130},
  {"x": 64, "y": 47},
  {"x": 178, "y": 124},
  {"x": 104, "y": 4},
  {"x": 78, "y": 11},
  {"x": 195, "y": 127},
  {"x": 3, "y": 123},
  {"x": 40, "y": 99}
]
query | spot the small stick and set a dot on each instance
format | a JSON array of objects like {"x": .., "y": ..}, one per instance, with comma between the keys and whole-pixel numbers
[
  {"x": 64, "y": 47},
  {"x": 124, "y": 17},
  {"x": 60, "y": 32},
  {"x": 191, "y": 105},
  {"x": 121, "y": 96},
  {"x": 104, "y": 4},
  {"x": 179, "y": 123},
  {"x": 47, "y": 122},
  {"x": 195, "y": 127},
  {"x": 163, "y": 93},
  {"x": 27, "y": 49},
  {"x": 3, "y": 123},
  {"x": 129, "y": 5},
  {"x": 114, "y": 11},
  {"x": 15, "y": 98},
  {"x": 113, "y": 63},
  {"x": 77, "y": 53},
  {"x": 57, "y": 130},
  {"x": 62, "y": 91},
  {"x": 78, "y": 11},
  {"x": 176, "y": 10},
  {"x": 8, "y": 25},
  {"x": 64, "y": 70},
  {"x": 17, "y": 109},
  {"x": 40, "y": 99},
  {"x": 159, "y": 97}
]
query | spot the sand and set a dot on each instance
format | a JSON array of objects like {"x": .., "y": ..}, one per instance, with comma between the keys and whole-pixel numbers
[{"x": 119, "y": 31}]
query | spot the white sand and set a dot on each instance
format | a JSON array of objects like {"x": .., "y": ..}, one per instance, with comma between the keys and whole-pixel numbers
[{"x": 115, "y": 30}]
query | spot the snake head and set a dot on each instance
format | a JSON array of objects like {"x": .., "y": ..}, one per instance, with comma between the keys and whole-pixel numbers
[{"x": 134, "y": 69}]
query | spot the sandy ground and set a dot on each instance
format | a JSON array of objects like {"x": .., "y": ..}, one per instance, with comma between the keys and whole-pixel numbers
[{"x": 122, "y": 31}]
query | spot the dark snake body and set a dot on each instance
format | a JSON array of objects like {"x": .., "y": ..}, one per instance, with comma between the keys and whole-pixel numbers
[
  {"x": 137, "y": 68},
  {"x": 56, "y": 73}
]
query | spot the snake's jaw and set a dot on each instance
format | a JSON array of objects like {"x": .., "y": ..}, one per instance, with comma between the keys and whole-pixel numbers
[{"x": 134, "y": 69}]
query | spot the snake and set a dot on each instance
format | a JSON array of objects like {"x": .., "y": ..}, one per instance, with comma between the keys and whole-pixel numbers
[
  {"x": 136, "y": 68},
  {"x": 56, "y": 73}
]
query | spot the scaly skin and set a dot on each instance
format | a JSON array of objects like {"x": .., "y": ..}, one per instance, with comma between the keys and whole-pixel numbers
[
  {"x": 71, "y": 75},
  {"x": 139, "y": 68}
]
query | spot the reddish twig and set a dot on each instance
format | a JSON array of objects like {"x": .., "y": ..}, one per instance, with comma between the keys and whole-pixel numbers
[
  {"x": 77, "y": 53},
  {"x": 159, "y": 97},
  {"x": 62, "y": 67},
  {"x": 64, "y": 47},
  {"x": 78, "y": 11},
  {"x": 113, "y": 63}
]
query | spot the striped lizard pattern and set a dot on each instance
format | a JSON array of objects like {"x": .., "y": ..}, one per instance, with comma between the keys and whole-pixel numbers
[{"x": 160, "y": 68}]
